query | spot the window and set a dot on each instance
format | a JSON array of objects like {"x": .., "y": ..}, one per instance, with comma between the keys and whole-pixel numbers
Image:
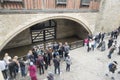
[
  {"x": 85, "y": 3},
  {"x": 61, "y": 2},
  {"x": 13, "y": 0}
]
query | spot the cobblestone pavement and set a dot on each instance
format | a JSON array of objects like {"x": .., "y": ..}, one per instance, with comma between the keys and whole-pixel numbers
[{"x": 85, "y": 66}]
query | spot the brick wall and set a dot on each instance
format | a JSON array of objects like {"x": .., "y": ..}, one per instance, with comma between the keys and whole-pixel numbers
[
  {"x": 47, "y": 4},
  {"x": 94, "y": 5}
]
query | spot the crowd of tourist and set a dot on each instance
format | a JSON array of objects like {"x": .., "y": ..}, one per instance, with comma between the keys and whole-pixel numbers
[
  {"x": 41, "y": 58},
  {"x": 37, "y": 57},
  {"x": 98, "y": 42}
]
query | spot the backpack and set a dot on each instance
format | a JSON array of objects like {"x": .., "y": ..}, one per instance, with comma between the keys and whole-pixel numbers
[{"x": 110, "y": 66}]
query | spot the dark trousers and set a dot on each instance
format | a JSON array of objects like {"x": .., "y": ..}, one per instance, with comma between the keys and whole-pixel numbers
[
  {"x": 67, "y": 67},
  {"x": 41, "y": 69},
  {"x": 88, "y": 49},
  {"x": 46, "y": 66},
  {"x": 66, "y": 54},
  {"x": 109, "y": 55},
  {"x": 4, "y": 72},
  {"x": 12, "y": 72},
  {"x": 23, "y": 73},
  {"x": 49, "y": 61},
  {"x": 57, "y": 68}
]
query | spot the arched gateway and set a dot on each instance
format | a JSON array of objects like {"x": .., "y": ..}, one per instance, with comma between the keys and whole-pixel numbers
[{"x": 38, "y": 19}]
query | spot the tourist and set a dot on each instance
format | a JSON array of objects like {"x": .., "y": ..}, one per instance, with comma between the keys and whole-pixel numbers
[
  {"x": 7, "y": 58},
  {"x": 119, "y": 50},
  {"x": 90, "y": 45},
  {"x": 111, "y": 51},
  {"x": 30, "y": 56},
  {"x": 40, "y": 63},
  {"x": 32, "y": 71},
  {"x": 46, "y": 59},
  {"x": 99, "y": 37},
  {"x": 12, "y": 68},
  {"x": 110, "y": 42},
  {"x": 3, "y": 68},
  {"x": 55, "y": 46},
  {"x": 49, "y": 52},
  {"x": 55, "y": 53},
  {"x": 68, "y": 63},
  {"x": 103, "y": 46},
  {"x": 86, "y": 42},
  {"x": 22, "y": 67},
  {"x": 60, "y": 50},
  {"x": 56, "y": 62},
  {"x": 112, "y": 68},
  {"x": 102, "y": 36},
  {"x": 66, "y": 49},
  {"x": 17, "y": 67}
]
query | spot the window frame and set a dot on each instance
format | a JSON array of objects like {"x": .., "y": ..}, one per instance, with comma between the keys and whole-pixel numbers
[
  {"x": 12, "y": 0},
  {"x": 85, "y": 4},
  {"x": 61, "y": 2}
]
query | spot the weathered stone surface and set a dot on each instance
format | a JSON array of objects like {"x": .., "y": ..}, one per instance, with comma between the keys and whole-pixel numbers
[
  {"x": 109, "y": 16},
  {"x": 13, "y": 24}
]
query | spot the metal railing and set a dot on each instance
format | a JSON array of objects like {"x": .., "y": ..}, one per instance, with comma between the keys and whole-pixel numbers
[
  {"x": 73, "y": 45},
  {"x": 76, "y": 44}
]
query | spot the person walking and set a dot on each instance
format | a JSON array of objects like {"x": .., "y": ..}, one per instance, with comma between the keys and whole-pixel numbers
[
  {"x": 111, "y": 51},
  {"x": 112, "y": 67},
  {"x": 32, "y": 71},
  {"x": 119, "y": 50},
  {"x": 102, "y": 36},
  {"x": 68, "y": 63},
  {"x": 110, "y": 42}
]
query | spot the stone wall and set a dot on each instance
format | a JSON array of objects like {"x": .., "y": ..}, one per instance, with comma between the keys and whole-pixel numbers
[
  {"x": 24, "y": 38},
  {"x": 80, "y": 31},
  {"x": 109, "y": 16},
  {"x": 13, "y": 24},
  {"x": 65, "y": 28}
]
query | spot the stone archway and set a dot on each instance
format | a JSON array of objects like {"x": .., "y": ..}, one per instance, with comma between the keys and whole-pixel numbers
[{"x": 39, "y": 19}]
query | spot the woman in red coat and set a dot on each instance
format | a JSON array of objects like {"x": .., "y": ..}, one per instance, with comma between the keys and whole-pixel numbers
[{"x": 32, "y": 71}]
